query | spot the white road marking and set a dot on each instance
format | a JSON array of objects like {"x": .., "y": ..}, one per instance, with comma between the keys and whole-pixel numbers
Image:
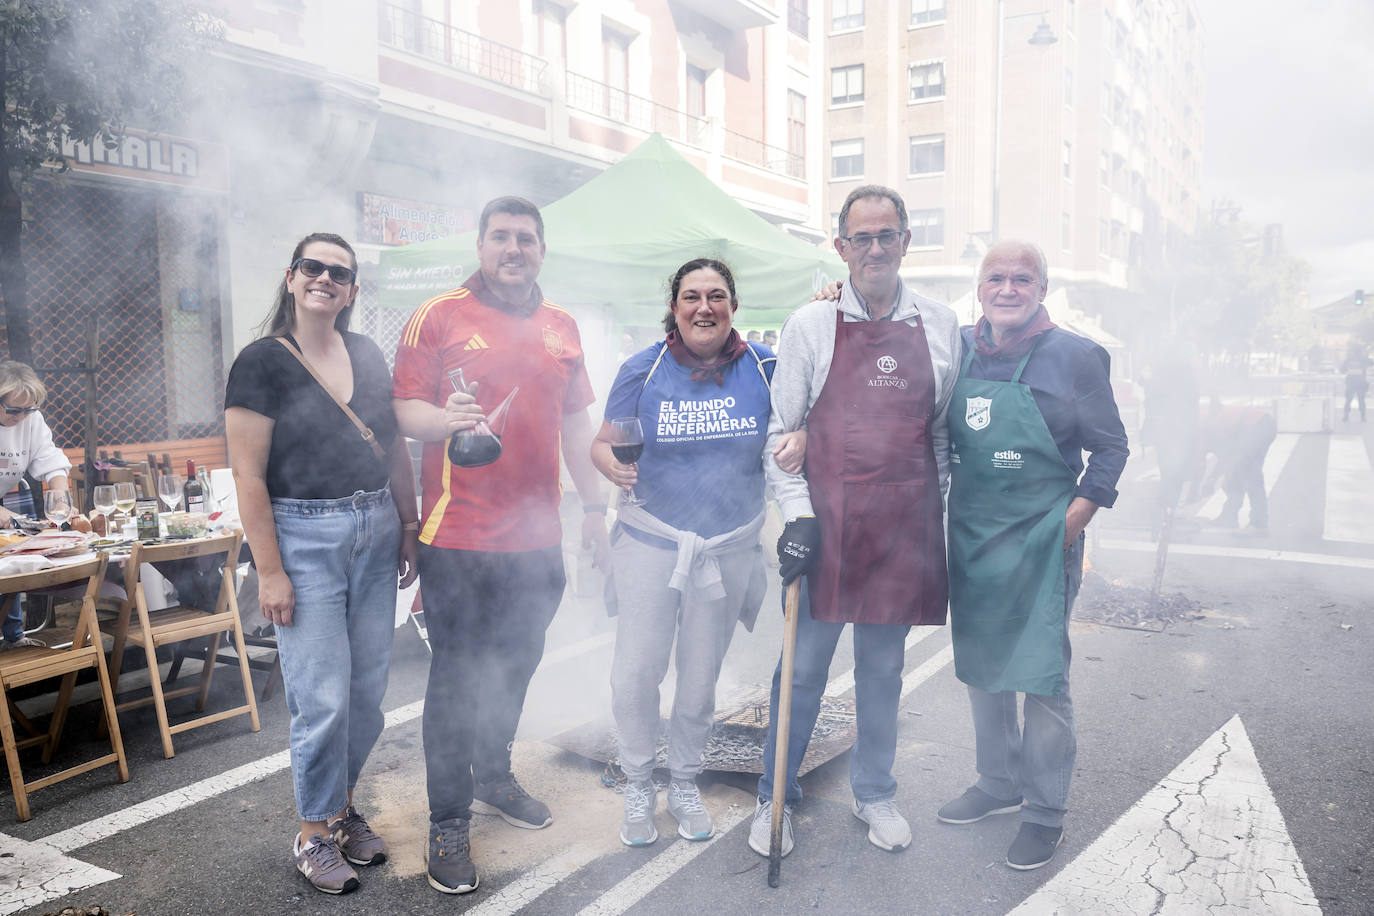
[
  {"x": 1209, "y": 838},
  {"x": 639, "y": 883},
  {"x": 36, "y": 872},
  {"x": 1349, "y": 506},
  {"x": 573, "y": 650},
  {"x": 543, "y": 877},
  {"x": 1274, "y": 461},
  {"x": 1239, "y": 553},
  {"x": 844, "y": 681},
  {"x": 927, "y": 669}
]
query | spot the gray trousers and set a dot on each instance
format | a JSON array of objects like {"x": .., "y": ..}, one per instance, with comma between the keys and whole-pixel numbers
[
  {"x": 1034, "y": 762},
  {"x": 650, "y": 615}
]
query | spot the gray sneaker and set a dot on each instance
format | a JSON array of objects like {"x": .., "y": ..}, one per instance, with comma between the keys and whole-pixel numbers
[
  {"x": 23, "y": 642},
  {"x": 450, "y": 857},
  {"x": 638, "y": 828},
  {"x": 684, "y": 803},
  {"x": 887, "y": 829},
  {"x": 322, "y": 863},
  {"x": 761, "y": 830},
  {"x": 356, "y": 839}
]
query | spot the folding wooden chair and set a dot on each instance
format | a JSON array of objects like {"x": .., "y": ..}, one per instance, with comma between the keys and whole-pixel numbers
[
  {"x": 151, "y": 629},
  {"x": 30, "y": 663}
]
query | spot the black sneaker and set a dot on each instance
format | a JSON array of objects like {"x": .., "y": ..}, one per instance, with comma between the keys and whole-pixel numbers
[
  {"x": 1034, "y": 846},
  {"x": 450, "y": 857},
  {"x": 974, "y": 805},
  {"x": 505, "y": 796}
]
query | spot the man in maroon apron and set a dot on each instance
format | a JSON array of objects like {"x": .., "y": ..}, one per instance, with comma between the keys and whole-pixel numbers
[
  {"x": 869, "y": 377},
  {"x": 1030, "y": 399}
]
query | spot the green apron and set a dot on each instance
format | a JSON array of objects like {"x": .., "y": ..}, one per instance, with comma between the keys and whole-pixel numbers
[{"x": 1009, "y": 490}]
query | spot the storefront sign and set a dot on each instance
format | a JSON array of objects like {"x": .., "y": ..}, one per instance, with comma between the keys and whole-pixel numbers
[
  {"x": 395, "y": 221},
  {"x": 152, "y": 157}
]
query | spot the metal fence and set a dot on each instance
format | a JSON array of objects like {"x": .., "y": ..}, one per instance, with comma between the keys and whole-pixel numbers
[
  {"x": 145, "y": 263},
  {"x": 409, "y": 31},
  {"x": 589, "y": 95},
  {"x": 756, "y": 152}
]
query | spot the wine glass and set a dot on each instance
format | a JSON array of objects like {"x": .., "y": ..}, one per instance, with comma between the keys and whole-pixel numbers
[
  {"x": 104, "y": 498},
  {"x": 125, "y": 498},
  {"x": 56, "y": 506},
  {"x": 627, "y": 444},
  {"x": 169, "y": 489}
]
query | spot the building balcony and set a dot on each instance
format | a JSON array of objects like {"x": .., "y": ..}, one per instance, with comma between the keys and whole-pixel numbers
[
  {"x": 590, "y": 96},
  {"x": 735, "y": 15},
  {"x": 755, "y": 152},
  {"x": 437, "y": 41}
]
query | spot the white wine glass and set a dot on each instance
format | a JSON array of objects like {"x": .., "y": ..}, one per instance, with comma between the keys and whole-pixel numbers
[
  {"x": 103, "y": 497},
  {"x": 627, "y": 444},
  {"x": 126, "y": 497},
  {"x": 169, "y": 489},
  {"x": 56, "y": 506}
]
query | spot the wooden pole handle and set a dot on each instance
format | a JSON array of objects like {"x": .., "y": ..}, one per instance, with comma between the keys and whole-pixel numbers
[{"x": 791, "y": 605}]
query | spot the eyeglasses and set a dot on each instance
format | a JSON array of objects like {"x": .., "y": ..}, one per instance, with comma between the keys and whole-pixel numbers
[
  {"x": 16, "y": 411},
  {"x": 888, "y": 239},
  {"x": 337, "y": 272}
]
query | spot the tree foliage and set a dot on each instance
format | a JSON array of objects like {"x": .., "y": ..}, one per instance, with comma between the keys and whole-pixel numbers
[{"x": 82, "y": 69}]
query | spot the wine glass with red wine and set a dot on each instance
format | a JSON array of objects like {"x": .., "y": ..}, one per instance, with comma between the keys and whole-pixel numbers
[{"x": 627, "y": 444}]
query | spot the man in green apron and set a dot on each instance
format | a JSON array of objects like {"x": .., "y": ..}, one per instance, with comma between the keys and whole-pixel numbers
[{"x": 1030, "y": 399}]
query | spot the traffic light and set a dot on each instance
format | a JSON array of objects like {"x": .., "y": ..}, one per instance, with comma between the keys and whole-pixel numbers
[{"x": 1359, "y": 298}]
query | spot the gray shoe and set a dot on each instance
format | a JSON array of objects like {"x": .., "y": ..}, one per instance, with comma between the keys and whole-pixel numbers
[
  {"x": 974, "y": 805},
  {"x": 887, "y": 829},
  {"x": 506, "y": 797},
  {"x": 684, "y": 803},
  {"x": 356, "y": 839},
  {"x": 450, "y": 857},
  {"x": 23, "y": 642},
  {"x": 322, "y": 863},
  {"x": 1034, "y": 846},
  {"x": 761, "y": 830},
  {"x": 638, "y": 828}
]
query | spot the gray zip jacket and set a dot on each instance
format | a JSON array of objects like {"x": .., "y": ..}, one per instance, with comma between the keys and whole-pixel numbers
[{"x": 805, "y": 348}]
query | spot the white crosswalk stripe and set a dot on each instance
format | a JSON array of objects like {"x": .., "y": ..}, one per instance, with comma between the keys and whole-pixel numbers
[
  {"x": 1274, "y": 462},
  {"x": 1349, "y": 510}
]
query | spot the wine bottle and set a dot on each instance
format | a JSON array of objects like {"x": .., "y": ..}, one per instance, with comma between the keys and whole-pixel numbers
[{"x": 193, "y": 492}]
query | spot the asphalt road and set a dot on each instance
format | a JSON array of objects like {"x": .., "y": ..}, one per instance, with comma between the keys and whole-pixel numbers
[{"x": 1281, "y": 637}]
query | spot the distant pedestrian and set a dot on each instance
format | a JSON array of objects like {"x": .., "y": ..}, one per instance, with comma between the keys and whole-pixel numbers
[
  {"x": 1355, "y": 367},
  {"x": 770, "y": 340},
  {"x": 1240, "y": 438},
  {"x": 754, "y": 337}
]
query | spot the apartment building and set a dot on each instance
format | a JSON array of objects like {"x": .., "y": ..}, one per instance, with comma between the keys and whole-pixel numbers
[
  {"x": 388, "y": 122},
  {"x": 1075, "y": 123}
]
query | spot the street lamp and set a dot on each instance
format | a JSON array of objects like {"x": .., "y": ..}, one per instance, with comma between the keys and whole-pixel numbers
[{"x": 1043, "y": 37}]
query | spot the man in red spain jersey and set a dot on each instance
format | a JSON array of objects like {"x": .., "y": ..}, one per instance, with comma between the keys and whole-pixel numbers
[{"x": 491, "y": 564}]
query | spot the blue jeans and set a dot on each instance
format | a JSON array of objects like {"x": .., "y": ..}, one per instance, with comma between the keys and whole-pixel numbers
[
  {"x": 879, "y": 653},
  {"x": 340, "y": 555},
  {"x": 1034, "y": 762},
  {"x": 12, "y": 627}
]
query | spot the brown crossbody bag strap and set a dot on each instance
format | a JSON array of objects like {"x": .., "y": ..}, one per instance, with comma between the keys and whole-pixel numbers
[{"x": 368, "y": 436}]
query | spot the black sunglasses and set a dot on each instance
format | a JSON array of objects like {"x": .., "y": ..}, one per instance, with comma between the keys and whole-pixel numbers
[
  {"x": 337, "y": 272},
  {"x": 15, "y": 411}
]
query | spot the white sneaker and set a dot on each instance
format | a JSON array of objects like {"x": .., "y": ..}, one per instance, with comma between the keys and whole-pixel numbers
[
  {"x": 887, "y": 829},
  {"x": 761, "y": 830},
  {"x": 684, "y": 804},
  {"x": 638, "y": 827}
]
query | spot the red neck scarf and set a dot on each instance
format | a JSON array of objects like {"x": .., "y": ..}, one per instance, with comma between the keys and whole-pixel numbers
[
  {"x": 703, "y": 369},
  {"x": 487, "y": 296},
  {"x": 1018, "y": 342}
]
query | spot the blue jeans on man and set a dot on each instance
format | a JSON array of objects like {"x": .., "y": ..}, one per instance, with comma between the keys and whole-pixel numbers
[{"x": 879, "y": 654}]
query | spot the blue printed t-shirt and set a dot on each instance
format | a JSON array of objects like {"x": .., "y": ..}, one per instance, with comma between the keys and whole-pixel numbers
[{"x": 702, "y": 467}]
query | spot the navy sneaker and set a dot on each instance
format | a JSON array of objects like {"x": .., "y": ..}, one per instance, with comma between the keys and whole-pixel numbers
[
  {"x": 450, "y": 857},
  {"x": 1034, "y": 846},
  {"x": 506, "y": 797}
]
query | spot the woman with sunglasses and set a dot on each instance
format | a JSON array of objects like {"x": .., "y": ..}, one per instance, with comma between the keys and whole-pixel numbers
[
  {"x": 26, "y": 447},
  {"x": 331, "y": 516}
]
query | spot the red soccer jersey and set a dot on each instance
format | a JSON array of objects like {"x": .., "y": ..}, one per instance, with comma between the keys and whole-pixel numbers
[{"x": 512, "y": 504}]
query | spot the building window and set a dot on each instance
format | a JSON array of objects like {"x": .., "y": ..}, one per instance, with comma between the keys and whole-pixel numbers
[
  {"x": 615, "y": 59},
  {"x": 847, "y": 158},
  {"x": 1068, "y": 86},
  {"x": 927, "y": 154},
  {"x": 1104, "y": 168},
  {"x": 923, "y": 11},
  {"x": 798, "y": 22},
  {"x": 846, "y": 14},
  {"x": 1104, "y": 237},
  {"x": 696, "y": 91},
  {"x": 1106, "y": 102},
  {"x": 1068, "y": 159},
  {"x": 847, "y": 84},
  {"x": 1066, "y": 232},
  {"x": 927, "y": 228},
  {"x": 925, "y": 81},
  {"x": 553, "y": 29},
  {"x": 796, "y": 134}
]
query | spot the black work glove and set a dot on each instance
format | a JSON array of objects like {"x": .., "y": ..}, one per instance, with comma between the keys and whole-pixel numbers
[{"x": 799, "y": 547}]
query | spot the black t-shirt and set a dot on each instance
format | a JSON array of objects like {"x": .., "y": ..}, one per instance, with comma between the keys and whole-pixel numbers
[{"x": 317, "y": 452}]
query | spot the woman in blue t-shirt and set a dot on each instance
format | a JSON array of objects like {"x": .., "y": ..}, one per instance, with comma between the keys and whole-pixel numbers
[{"x": 687, "y": 562}]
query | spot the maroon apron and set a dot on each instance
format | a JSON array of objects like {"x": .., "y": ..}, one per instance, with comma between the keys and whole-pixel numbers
[{"x": 875, "y": 487}]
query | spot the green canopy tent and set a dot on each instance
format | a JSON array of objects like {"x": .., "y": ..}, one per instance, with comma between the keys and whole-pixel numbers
[{"x": 613, "y": 243}]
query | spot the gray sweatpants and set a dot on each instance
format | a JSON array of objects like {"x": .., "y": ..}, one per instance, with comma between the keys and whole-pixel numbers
[{"x": 650, "y": 614}]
